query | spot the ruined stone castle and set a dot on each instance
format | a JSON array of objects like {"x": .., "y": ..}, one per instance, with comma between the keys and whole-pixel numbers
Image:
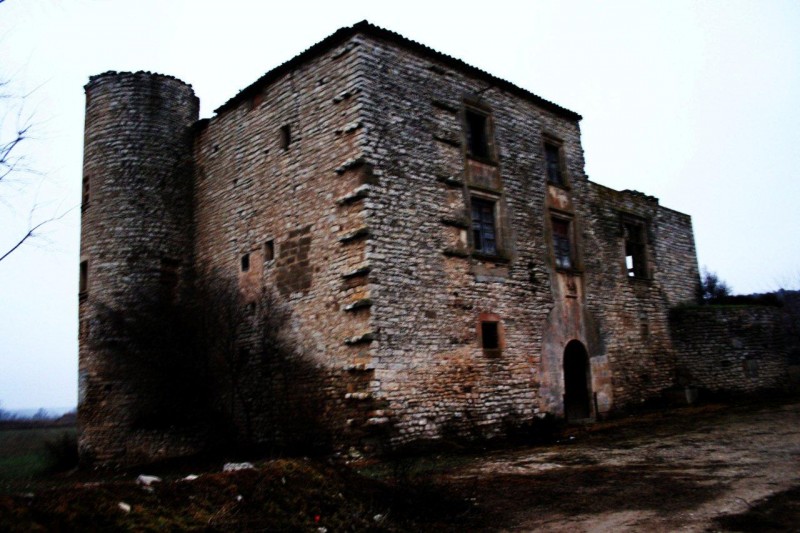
[{"x": 444, "y": 258}]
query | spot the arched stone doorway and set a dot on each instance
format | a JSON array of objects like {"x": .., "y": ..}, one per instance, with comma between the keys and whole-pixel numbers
[{"x": 577, "y": 382}]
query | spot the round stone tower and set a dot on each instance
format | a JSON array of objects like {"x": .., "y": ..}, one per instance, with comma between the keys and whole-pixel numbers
[{"x": 136, "y": 247}]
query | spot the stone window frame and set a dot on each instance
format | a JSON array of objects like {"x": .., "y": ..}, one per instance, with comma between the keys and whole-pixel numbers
[
  {"x": 478, "y": 110},
  {"x": 495, "y": 199},
  {"x": 569, "y": 220},
  {"x": 638, "y": 249},
  {"x": 557, "y": 144},
  {"x": 499, "y": 334}
]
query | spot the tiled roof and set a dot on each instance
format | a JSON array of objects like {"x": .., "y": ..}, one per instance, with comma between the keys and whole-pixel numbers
[{"x": 365, "y": 28}]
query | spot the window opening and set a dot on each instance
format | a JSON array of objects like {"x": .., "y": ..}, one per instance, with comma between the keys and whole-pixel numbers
[
  {"x": 245, "y": 262},
  {"x": 490, "y": 336},
  {"x": 286, "y": 137},
  {"x": 483, "y": 226},
  {"x": 552, "y": 154},
  {"x": 83, "y": 279},
  {"x": 169, "y": 277},
  {"x": 477, "y": 135},
  {"x": 85, "y": 192},
  {"x": 269, "y": 250},
  {"x": 562, "y": 246},
  {"x": 635, "y": 250}
]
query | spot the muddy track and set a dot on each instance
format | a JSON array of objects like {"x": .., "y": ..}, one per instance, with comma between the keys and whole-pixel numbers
[{"x": 696, "y": 470}]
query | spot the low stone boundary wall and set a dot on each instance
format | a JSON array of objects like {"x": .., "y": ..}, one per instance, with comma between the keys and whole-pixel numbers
[{"x": 731, "y": 348}]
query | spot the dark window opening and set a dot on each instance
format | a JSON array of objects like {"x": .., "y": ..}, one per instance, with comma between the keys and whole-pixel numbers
[
  {"x": 286, "y": 137},
  {"x": 552, "y": 154},
  {"x": 477, "y": 134},
  {"x": 269, "y": 250},
  {"x": 490, "y": 336},
  {"x": 483, "y": 226},
  {"x": 635, "y": 250},
  {"x": 245, "y": 262},
  {"x": 562, "y": 245},
  {"x": 168, "y": 277},
  {"x": 83, "y": 279},
  {"x": 85, "y": 192},
  {"x": 256, "y": 101}
]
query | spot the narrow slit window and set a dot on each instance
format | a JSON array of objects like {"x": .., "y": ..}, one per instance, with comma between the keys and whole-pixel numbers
[
  {"x": 269, "y": 250},
  {"x": 285, "y": 137},
  {"x": 83, "y": 278},
  {"x": 86, "y": 191},
  {"x": 245, "y": 262},
  {"x": 169, "y": 277}
]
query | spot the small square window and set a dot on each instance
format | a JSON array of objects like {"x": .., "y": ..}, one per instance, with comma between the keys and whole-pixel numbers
[
  {"x": 478, "y": 135},
  {"x": 245, "y": 262},
  {"x": 562, "y": 243},
  {"x": 484, "y": 235},
  {"x": 555, "y": 172}
]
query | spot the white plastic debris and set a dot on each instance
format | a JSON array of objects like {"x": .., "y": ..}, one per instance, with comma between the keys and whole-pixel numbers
[
  {"x": 233, "y": 467},
  {"x": 124, "y": 506},
  {"x": 190, "y": 477},
  {"x": 147, "y": 480}
]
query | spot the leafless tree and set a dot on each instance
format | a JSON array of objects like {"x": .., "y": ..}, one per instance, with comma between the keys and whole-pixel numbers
[{"x": 16, "y": 127}]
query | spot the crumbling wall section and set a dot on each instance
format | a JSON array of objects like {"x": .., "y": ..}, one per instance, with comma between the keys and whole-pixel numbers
[{"x": 632, "y": 309}]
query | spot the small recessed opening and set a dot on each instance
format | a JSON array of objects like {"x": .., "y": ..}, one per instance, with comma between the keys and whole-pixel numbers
[
  {"x": 85, "y": 192},
  {"x": 245, "y": 262},
  {"x": 285, "y": 137},
  {"x": 83, "y": 280},
  {"x": 477, "y": 137},
  {"x": 490, "y": 335},
  {"x": 269, "y": 250}
]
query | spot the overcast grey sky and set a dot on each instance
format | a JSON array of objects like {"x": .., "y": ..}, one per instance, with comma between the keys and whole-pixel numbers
[{"x": 695, "y": 102}]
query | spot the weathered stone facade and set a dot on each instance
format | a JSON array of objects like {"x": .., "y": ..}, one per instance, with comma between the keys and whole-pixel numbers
[{"x": 449, "y": 268}]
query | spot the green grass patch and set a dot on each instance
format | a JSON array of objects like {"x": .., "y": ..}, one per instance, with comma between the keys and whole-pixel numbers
[{"x": 24, "y": 457}]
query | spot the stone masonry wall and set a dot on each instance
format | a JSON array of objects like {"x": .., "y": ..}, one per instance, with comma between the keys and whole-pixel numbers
[
  {"x": 731, "y": 349},
  {"x": 632, "y": 313},
  {"x": 280, "y": 179},
  {"x": 342, "y": 184},
  {"x": 135, "y": 243}
]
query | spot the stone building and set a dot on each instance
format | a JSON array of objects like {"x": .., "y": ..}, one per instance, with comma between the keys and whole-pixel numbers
[{"x": 445, "y": 259}]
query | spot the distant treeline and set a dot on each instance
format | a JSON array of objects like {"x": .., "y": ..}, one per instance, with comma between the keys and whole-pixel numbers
[{"x": 42, "y": 418}]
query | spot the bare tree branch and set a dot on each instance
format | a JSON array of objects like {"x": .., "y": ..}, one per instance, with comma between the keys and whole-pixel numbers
[{"x": 31, "y": 233}]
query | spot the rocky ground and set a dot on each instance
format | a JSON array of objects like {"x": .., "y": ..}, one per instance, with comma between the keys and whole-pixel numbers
[{"x": 709, "y": 468}]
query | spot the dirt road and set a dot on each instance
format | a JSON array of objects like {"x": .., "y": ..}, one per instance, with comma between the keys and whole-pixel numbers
[{"x": 705, "y": 469}]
